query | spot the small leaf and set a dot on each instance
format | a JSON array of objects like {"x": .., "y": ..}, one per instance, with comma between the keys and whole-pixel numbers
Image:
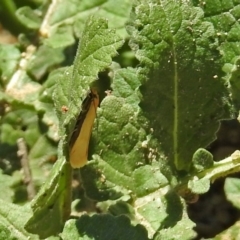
[
  {"x": 29, "y": 17},
  {"x": 199, "y": 186},
  {"x": 202, "y": 159}
]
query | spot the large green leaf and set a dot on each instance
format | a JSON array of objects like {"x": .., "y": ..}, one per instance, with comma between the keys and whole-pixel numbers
[{"x": 183, "y": 94}]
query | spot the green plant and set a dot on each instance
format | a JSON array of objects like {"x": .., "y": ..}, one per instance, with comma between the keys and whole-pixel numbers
[{"x": 169, "y": 92}]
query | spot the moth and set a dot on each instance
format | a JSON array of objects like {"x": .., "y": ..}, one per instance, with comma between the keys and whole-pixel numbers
[{"x": 80, "y": 137}]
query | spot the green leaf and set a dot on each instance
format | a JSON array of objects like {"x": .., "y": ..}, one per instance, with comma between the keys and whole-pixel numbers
[
  {"x": 97, "y": 46},
  {"x": 199, "y": 186},
  {"x": 51, "y": 206},
  {"x": 77, "y": 14},
  {"x": 181, "y": 77},
  {"x": 202, "y": 159},
  {"x": 119, "y": 146},
  {"x": 179, "y": 225},
  {"x": 168, "y": 217},
  {"x": 103, "y": 227},
  {"x": 44, "y": 59},
  {"x": 61, "y": 37},
  {"x": 232, "y": 191},
  {"x": 12, "y": 219},
  {"x": 9, "y": 57},
  {"x": 29, "y": 17}
]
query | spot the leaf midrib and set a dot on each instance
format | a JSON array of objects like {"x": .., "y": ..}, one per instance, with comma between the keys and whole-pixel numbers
[{"x": 175, "y": 111}]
